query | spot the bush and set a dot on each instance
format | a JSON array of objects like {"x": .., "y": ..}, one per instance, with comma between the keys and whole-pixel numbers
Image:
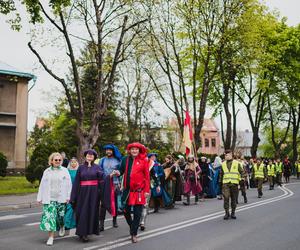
[
  {"x": 3, "y": 165},
  {"x": 38, "y": 162}
]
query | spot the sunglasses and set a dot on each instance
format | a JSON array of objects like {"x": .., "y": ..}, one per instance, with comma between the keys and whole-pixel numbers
[{"x": 57, "y": 160}]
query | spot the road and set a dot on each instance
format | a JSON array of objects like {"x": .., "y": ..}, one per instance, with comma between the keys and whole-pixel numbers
[{"x": 272, "y": 222}]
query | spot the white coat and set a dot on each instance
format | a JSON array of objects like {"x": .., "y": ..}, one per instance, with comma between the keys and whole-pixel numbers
[{"x": 65, "y": 186}]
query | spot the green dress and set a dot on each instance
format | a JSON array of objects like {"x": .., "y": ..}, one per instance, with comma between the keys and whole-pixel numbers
[{"x": 70, "y": 216}]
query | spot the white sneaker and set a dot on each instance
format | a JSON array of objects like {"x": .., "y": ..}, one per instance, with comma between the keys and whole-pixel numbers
[
  {"x": 61, "y": 232},
  {"x": 50, "y": 241}
]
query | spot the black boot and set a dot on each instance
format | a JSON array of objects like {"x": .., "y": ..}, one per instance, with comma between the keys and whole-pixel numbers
[
  {"x": 187, "y": 203},
  {"x": 245, "y": 199},
  {"x": 233, "y": 215},
  {"x": 196, "y": 199},
  {"x": 115, "y": 224},
  {"x": 101, "y": 225},
  {"x": 226, "y": 217}
]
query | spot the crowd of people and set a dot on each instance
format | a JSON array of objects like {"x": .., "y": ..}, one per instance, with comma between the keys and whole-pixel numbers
[{"x": 78, "y": 196}]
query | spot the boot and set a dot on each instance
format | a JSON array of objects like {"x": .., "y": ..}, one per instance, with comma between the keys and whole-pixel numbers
[
  {"x": 101, "y": 226},
  {"x": 187, "y": 203},
  {"x": 233, "y": 215},
  {"x": 226, "y": 217},
  {"x": 196, "y": 199},
  {"x": 115, "y": 224},
  {"x": 245, "y": 199}
]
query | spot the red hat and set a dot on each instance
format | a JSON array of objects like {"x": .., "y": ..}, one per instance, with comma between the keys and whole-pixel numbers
[{"x": 141, "y": 147}]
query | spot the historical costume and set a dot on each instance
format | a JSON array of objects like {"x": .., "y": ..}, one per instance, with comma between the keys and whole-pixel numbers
[
  {"x": 85, "y": 196},
  {"x": 287, "y": 169},
  {"x": 54, "y": 193},
  {"x": 217, "y": 168},
  {"x": 111, "y": 190},
  {"x": 211, "y": 193},
  {"x": 205, "y": 176},
  {"x": 136, "y": 185},
  {"x": 173, "y": 183},
  {"x": 70, "y": 221},
  {"x": 191, "y": 176},
  {"x": 159, "y": 196}
]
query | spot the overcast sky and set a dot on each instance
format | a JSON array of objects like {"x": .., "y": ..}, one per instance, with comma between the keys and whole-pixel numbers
[{"x": 14, "y": 51}]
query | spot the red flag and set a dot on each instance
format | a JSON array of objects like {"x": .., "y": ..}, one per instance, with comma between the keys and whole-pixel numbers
[{"x": 188, "y": 134}]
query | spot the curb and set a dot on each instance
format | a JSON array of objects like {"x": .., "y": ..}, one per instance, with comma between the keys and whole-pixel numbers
[{"x": 19, "y": 206}]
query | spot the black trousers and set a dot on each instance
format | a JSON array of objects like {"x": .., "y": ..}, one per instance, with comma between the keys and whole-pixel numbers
[
  {"x": 103, "y": 209},
  {"x": 135, "y": 221}
]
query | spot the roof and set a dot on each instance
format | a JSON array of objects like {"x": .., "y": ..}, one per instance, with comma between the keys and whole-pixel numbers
[
  {"x": 6, "y": 69},
  {"x": 209, "y": 125}
]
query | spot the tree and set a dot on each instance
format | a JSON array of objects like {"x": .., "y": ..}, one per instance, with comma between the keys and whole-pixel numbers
[
  {"x": 105, "y": 26},
  {"x": 3, "y": 164}
]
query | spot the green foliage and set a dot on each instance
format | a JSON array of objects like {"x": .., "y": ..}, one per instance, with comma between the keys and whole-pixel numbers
[
  {"x": 3, "y": 164},
  {"x": 39, "y": 161},
  {"x": 7, "y": 6}
]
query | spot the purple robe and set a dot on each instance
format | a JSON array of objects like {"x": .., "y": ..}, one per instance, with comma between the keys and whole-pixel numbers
[{"x": 86, "y": 200}]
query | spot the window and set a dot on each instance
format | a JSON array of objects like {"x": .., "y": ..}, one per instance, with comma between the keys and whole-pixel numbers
[
  {"x": 213, "y": 142},
  {"x": 206, "y": 143}
]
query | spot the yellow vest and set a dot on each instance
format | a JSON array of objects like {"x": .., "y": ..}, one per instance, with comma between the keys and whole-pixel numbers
[
  {"x": 298, "y": 168},
  {"x": 259, "y": 171},
  {"x": 278, "y": 167},
  {"x": 271, "y": 170},
  {"x": 232, "y": 176}
]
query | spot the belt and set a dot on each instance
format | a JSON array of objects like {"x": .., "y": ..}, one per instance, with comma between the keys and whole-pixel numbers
[{"x": 89, "y": 183}]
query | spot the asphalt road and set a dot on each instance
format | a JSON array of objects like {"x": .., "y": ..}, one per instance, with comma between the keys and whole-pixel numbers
[{"x": 272, "y": 222}]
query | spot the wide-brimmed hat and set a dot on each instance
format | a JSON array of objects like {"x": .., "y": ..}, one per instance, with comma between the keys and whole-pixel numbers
[{"x": 91, "y": 152}]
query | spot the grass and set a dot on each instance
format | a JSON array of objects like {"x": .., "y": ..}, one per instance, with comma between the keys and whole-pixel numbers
[{"x": 10, "y": 185}]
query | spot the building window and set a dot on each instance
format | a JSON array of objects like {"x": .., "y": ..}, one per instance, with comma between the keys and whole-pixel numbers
[
  {"x": 213, "y": 142},
  {"x": 206, "y": 143}
]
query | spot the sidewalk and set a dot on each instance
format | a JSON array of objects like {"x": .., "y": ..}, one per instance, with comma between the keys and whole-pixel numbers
[{"x": 12, "y": 202}]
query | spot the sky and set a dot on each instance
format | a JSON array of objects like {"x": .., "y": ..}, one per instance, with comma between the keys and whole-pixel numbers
[{"x": 14, "y": 51}]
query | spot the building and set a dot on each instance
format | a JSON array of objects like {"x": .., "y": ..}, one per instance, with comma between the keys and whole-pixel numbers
[
  {"x": 13, "y": 114},
  {"x": 210, "y": 137}
]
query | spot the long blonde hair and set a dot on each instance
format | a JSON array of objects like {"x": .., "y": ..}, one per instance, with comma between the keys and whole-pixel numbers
[{"x": 51, "y": 157}]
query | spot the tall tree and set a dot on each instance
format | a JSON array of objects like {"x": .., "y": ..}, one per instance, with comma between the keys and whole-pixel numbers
[{"x": 104, "y": 26}]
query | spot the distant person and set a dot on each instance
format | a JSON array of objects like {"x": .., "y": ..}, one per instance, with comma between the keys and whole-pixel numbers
[
  {"x": 259, "y": 174},
  {"x": 192, "y": 183},
  {"x": 271, "y": 174},
  {"x": 65, "y": 161},
  {"x": 297, "y": 166},
  {"x": 287, "y": 169},
  {"x": 54, "y": 194}
]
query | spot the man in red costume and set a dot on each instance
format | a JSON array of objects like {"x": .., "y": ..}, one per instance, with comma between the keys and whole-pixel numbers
[{"x": 136, "y": 184}]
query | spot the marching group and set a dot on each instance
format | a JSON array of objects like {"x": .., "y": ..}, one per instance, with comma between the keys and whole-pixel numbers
[{"x": 78, "y": 196}]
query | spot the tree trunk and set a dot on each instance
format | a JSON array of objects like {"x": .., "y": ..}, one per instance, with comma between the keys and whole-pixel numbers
[
  {"x": 227, "y": 143},
  {"x": 255, "y": 143},
  {"x": 295, "y": 131}
]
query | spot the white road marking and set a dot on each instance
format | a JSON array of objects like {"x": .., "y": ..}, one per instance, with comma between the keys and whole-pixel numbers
[
  {"x": 177, "y": 226},
  {"x": 11, "y": 217}
]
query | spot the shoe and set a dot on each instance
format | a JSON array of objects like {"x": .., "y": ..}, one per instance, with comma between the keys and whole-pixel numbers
[
  {"x": 245, "y": 199},
  {"x": 84, "y": 239},
  {"x": 259, "y": 196},
  {"x": 101, "y": 225},
  {"x": 50, "y": 241},
  {"x": 226, "y": 217},
  {"x": 134, "y": 239},
  {"x": 142, "y": 227},
  {"x": 115, "y": 224},
  {"x": 155, "y": 210},
  {"x": 62, "y": 232},
  {"x": 233, "y": 215}
]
